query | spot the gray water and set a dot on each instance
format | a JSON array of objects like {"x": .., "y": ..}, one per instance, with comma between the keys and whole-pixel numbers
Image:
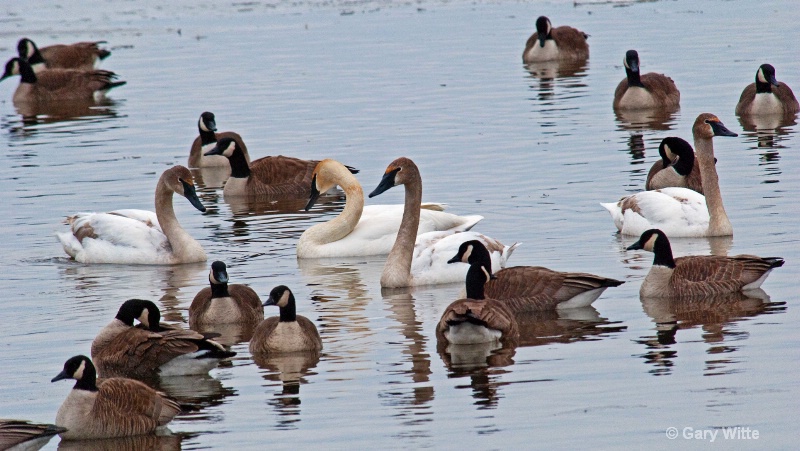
[{"x": 443, "y": 84}]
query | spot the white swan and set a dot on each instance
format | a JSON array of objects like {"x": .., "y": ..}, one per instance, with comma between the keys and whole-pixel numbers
[
  {"x": 137, "y": 236},
  {"x": 680, "y": 212},
  {"x": 360, "y": 230},
  {"x": 423, "y": 260}
]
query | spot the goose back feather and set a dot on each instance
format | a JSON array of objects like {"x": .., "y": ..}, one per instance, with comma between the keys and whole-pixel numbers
[
  {"x": 80, "y": 55},
  {"x": 25, "y": 435}
]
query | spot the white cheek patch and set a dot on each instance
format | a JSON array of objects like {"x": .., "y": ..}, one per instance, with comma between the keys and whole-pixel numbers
[
  {"x": 467, "y": 253},
  {"x": 229, "y": 150},
  {"x": 79, "y": 372},
  {"x": 625, "y": 63},
  {"x": 670, "y": 154},
  {"x": 31, "y": 49},
  {"x": 143, "y": 317},
  {"x": 760, "y": 76},
  {"x": 284, "y": 300},
  {"x": 203, "y": 126},
  {"x": 648, "y": 246},
  {"x": 486, "y": 273},
  {"x": 549, "y": 27},
  {"x": 212, "y": 278}
]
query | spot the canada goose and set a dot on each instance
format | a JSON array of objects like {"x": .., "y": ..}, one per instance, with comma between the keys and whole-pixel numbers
[
  {"x": 58, "y": 84},
  {"x": 80, "y": 55},
  {"x": 24, "y": 435},
  {"x": 267, "y": 176},
  {"x": 477, "y": 320},
  {"x": 699, "y": 275},
  {"x": 422, "y": 260},
  {"x": 207, "y": 140},
  {"x": 676, "y": 168},
  {"x": 531, "y": 288},
  {"x": 762, "y": 99},
  {"x": 153, "y": 348},
  {"x": 288, "y": 332},
  {"x": 680, "y": 211},
  {"x": 117, "y": 407},
  {"x": 138, "y": 236},
  {"x": 560, "y": 43},
  {"x": 360, "y": 230},
  {"x": 224, "y": 304},
  {"x": 650, "y": 90}
]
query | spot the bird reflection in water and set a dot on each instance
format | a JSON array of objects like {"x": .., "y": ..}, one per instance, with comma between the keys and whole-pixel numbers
[
  {"x": 717, "y": 316},
  {"x": 135, "y": 443},
  {"x": 482, "y": 363},
  {"x": 291, "y": 370}
]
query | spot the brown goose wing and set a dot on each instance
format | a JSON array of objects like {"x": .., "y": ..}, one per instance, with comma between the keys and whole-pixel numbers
[
  {"x": 132, "y": 406},
  {"x": 490, "y": 312},
  {"x": 787, "y": 98},
  {"x": 258, "y": 344},
  {"x": 81, "y": 55},
  {"x": 622, "y": 87},
  {"x": 248, "y": 301},
  {"x": 138, "y": 351},
  {"x": 311, "y": 335},
  {"x": 200, "y": 303},
  {"x": 718, "y": 274},
  {"x": 530, "y": 43},
  {"x": 746, "y": 99},
  {"x": 571, "y": 40},
  {"x": 655, "y": 169},
  {"x": 14, "y": 432},
  {"x": 283, "y": 175},
  {"x": 662, "y": 88}
]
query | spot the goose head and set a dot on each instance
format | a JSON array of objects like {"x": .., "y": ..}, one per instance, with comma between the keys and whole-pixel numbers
[
  {"x": 180, "y": 180},
  {"x": 146, "y": 312},
  {"x": 283, "y": 297},
  {"x": 218, "y": 274},
  {"x": 399, "y": 172},
  {"x": 207, "y": 122},
  {"x": 326, "y": 176},
  {"x": 472, "y": 252},
  {"x": 543, "y": 27},
  {"x": 676, "y": 151},
  {"x": 12, "y": 68},
  {"x": 225, "y": 146},
  {"x": 655, "y": 241},
  {"x": 631, "y": 61},
  {"x": 81, "y": 369},
  {"x": 707, "y": 126},
  {"x": 766, "y": 75},
  {"x": 28, "y": 51}
]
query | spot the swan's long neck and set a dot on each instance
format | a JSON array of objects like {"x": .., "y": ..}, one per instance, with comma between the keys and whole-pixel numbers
[
  {"x": 340, "y": 226},
  {"x": 180, "y": 241},
  {"x": 397, "y": 271},
  {"x": 719, "y": 224}
]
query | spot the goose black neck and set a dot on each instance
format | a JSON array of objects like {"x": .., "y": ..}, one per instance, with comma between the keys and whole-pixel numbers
[
  {"x": 26, "y": 72},
  {"x": 685, "y": 163},
  {"x": 763, "y": 87},
  {"x": 89, "y": 379},
  {"x": 476, "y": 279},
  {"x": 239, "y": 166},
  {"x": 663, "y": 252},
  {"x": 219, "y": 290},
  {"x": 207, "y": 136},
  {"x": 289, "y": 313},
  {"x": 633, "y": 78}
]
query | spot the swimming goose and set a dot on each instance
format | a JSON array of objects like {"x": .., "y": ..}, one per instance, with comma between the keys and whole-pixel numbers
[
  {"x": 422, "y": 260},
  {"x": 676, "y": 168},
  {"x": 24, "y": 435},
  {"x": 560, "y": 43},
  {"x": 207, "y": 140},
  {"x": 153, "y": 348},
  {"x": 224, "y": 304},
  {"x": 767, "y": 96},
  {"x": 58, "y": 84},
  {"x": 138, "y": 236},
  {"x": 267, "y": 176},
  {"x": 80, "y": 55},
  {"x": 288, "y": 332},
  {"x": 680, "y": 211},
  {"x": 116, "y": 407},
  {"x": 699, "y": 275},
  {"x": 649, "y": 90},
  {"x": 477, "y": 319},
  {"x": 360, "y": 230},
  {"x": 531, "y": 288}
]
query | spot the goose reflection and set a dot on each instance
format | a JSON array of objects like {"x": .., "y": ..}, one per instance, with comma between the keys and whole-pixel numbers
[
  {"x": 291, "y": 370},
  {"x": 646, "y": 120},
  {"x": 482, "y": 362},
  {"x": 42, "y": 113},
  {"x": 716, "y": 316},
  {"x": 549, "y": 73},
  {"x": 197, "y": 390},
  {"x": 135, "y": 443}
]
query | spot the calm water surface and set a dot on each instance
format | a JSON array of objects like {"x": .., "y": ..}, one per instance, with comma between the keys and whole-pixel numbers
[{"x": 534, "y": 151}]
